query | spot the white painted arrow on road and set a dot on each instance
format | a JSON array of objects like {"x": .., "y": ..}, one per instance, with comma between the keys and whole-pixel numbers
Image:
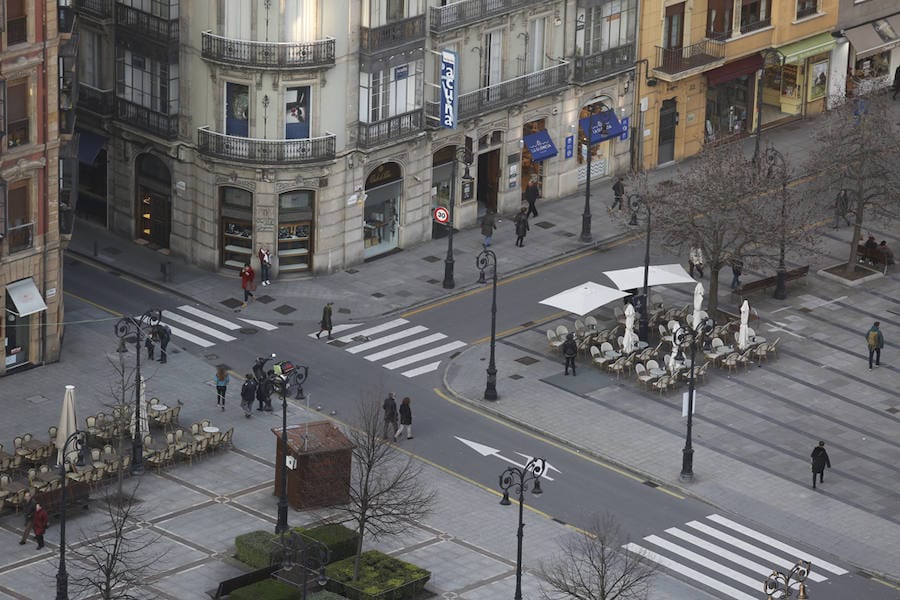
[{"x": 485, "y": 450}]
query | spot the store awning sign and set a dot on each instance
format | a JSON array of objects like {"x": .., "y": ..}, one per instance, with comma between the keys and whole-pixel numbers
[
  {"x": 448, "y": 89},
  {"x": 875, "y": 37},
  {"x": 540, "y": 146},
  {"x": 26, "y": 297},
  {"x": 596, "y": 122}
]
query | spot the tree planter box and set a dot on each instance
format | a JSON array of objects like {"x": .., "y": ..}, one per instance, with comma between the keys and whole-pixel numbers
[{"x": 381, "y": 577}]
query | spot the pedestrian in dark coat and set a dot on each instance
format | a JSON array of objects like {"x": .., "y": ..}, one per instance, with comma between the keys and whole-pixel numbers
[
  {"x": 150, "y": 346},
  {"x": 570, "y": 351},
  {"x": 248, "y": 282},
  {"x": 618, "y": 193},
  {"x": 41, "y": 518},
  {"x": 222, "y": 378},
  {"x": 875, "y": 342},
  {"x": 737, "y": 267},
  {"x": 405, "y": 420},
  {"x": 488, "y": 225},
  {"x": 522, "y": 227},
  {"x": 28, "y": 510},
  {"x": 532, "y": 193},
  {"x": 325, "y": 323},
  {"x": 390, "y": 416},
  {"x": 248, "y": 393},
  {"x": 820, "y": 460},
  {"x": 163, "y": 334},
  {"x": 896, "y": 83}
]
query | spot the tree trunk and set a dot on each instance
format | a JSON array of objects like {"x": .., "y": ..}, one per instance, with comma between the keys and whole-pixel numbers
[
  {"x": 359, "y": 547},
  {"x": 857, "y": 230},
  {"x": 713, "y": 298}
]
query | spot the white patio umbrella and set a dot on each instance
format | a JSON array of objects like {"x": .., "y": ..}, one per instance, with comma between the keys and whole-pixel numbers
[
  {"x": 632, "y": 278},
  {"x": 68, "y": 423},
  {"x": 698, "y": 305},
  {"x": 144, "y": 425},
  {"x": 743, "y": 337},
  {"x": 584, "y": 298},
  {"x": 630, "y": 339}
]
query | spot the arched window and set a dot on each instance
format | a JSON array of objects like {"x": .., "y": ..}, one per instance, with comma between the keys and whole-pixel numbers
[{"x": 236, "y": 208}]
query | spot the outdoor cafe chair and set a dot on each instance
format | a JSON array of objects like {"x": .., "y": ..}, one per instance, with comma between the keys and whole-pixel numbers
[
  {"x": 16, "y": 499},
  {"x": 619, "y": 314},
  {"x": 618, "y": 367},
  {"x": 562, "y": 331},
  {"x": 772, "y": 346},
  {"x": 579, "y": 328},
  {"x": 227, "y": 439},
  {"x": 663, "y": 384},
  {"x": 597, "y": 357},
  {"x": 643, "y": 376},
  {"x": 731, "y": 361},
  {"x": 187, "y": 452},
  {"x": 590, "y": 323},
  {"x": 553, "y": 339},
  {"x": 52, "y": 433}
]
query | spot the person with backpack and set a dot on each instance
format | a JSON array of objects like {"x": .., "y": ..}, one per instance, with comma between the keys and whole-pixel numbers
[
  {"x": 570, "y": 351},
  {"x": 248, "y": 393},
  {"x": 522, "y": 227},
  {"x": 737, "y": 268},
  {"x": 875, "y": 342}
]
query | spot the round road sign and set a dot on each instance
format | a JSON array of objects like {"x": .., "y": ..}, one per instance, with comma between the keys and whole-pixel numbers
[{"x": 441, "y": 215}]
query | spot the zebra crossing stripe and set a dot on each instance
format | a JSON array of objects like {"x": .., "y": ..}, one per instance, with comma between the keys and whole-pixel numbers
[
  {"x": 790, "y": 550},
  {"x": 373, "y": 330},
  {"x": 209, "y": 317},
  {"x": 423, "y": 369},
  {"x": 259, "y": 324},
  {"x": 387, "y": 339},
  {"x": 424, "y": 355},
  {"x": 772, "y": 559},
  {"x": 191, "y": 337},
  {"x": 170, "y": 316},
  {"x": 697, "y": 576},
  {"x": 407, "y": 346},
  {"x": 712, "y": 565}
]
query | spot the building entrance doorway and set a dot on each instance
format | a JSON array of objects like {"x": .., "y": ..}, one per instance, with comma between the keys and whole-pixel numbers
[
  {"x": 154, "y": 201},
  {"x": 668, "y": 121},
  {"x": 488, "y": 181}
]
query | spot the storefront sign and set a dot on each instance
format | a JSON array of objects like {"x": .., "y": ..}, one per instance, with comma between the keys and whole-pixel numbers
[
  {"x": 570, "y": 146},
  {"x": 540, "y": 146},
  {"x": 448, "y": 89},
  {"x": 401, "y": 72},
  {"x": 383, "y": 173},
  {"x": 513, "y": 176},
  {"x": 603, "y": 126},
  {"x": 624, "y": 124}
]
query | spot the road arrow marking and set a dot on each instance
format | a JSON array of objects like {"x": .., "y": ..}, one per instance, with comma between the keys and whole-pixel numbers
[{"x": 484, "y": 450}]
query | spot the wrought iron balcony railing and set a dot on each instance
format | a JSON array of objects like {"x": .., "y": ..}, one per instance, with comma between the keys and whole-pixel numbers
[
  {"x": 512, "y": 91},
  {"x": 595, "y": 66},
  {"x": 677, "y": 60},
  {"x": 20, "y": 237},
  {"x": 268, "y": 55},
  {"x": 160, "y": 29},
  {"x": 102, "y": 9},
  {"x": 393, "y": 35},
  {"x": 266, "y": 151},
  {"x": 465, "y": 12},
  {"x": 100, "y": 102},
  {"x": 163, "y": 125},
  {"x": 752, "y": 25},
  {"x": 390, "y": 129}
]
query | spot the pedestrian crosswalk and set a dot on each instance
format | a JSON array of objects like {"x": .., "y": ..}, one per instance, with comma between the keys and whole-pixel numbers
[
  {"x": 730, "y": 559},
  {"x": 395, "y": 344},
  {"x": 199, "y": 327}
]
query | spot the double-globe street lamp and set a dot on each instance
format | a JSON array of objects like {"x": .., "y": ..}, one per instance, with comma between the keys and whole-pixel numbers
[
  {"x": 485, "y": 259},
  {"x": 518, "y": 480},
  {"x": 635, "y": 203},
  {"x": 692, "y": 337},
  {"x": 778, "y": 585},
  {"x": 296, "y": 550},
  {"x": 62, "y": 577},
  {"x": 463, "y": 154},
  {"x": 140, "y": 327},
  {"x": 280, "y": 381},
  {"x": 587, "y": 142}
]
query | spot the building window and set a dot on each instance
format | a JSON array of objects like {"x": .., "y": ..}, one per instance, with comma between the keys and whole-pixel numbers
[
  {"x": 390, "y": 92},
  {"x": 20, "y": 228},
  {"x": 16, "y": 22},
  {"x": 718, "y": 19},
  {"x": 147, "y": 82},
  {"x": 536, "y": 42},
  {"x": 296, "y": 113},
  {"x": 295, "y": 212},
  {"x": 237, "y": 109},
  {"x": 806, "y": 8},
  {"x": 165, "y": 9},
  {"x": 237, "y": 228},
  {"x": 18, "y": 119},
  {"x": 754, "y": 15},
  {"x": 90, "y": 59},
  {"x": 610, "y": 26}
]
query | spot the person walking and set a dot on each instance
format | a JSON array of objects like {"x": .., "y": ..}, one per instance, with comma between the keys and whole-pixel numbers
[
  {"x": 41, "y": 518},
  {"x": 265, "y": 264},
  {"x": 820, "y": 460},
  {"x": 737, "y": 268},
  {"x": 222, "y": 380},
  {"x": 325, "y": 323},
  {"x": 875, "y": 342},
  {"x": 28, "y": 511},
  {"x": 618, "y": 194},
  {"x": 247, "y": 283},
  {"x": 248, "y": 393},
  {"x": 896, "y": 85},
  {"x": 163, "y": 334},
  {"x": 390, "y": 416},
  {"x": 532, "y": 193},
  {"x": 522, "y": 227},
  {"x": 695, "y": 260},
  {"x": 570, "y": 351},
  {"x": 488, "y": 225},
  {"x": 405, "y": 420}
]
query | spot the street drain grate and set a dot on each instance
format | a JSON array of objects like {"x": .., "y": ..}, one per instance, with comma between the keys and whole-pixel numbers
[
  {"x": 527, "y": 360},
  {"x": 378, "y": 295},
  {"x": 337, "y": 343},
  {"x": 351, "y": 271},
  {"x": 265, "y": 299},
  {"x": 431, "y": 259},
  {"x": 210, "y": 356},
  {"x": 545, "y": 225},
  {"x": 231, "y": 303},
  {"x": 516, "y": 376},
  {"x": 433, "y": 281},
  {"x": 285, "y": 323},
  {"x": 248, "y": 330},
  {"x": 651, "y": 484},
  {"x": 893, "y": 410},
  {"x": 284, "y": 309},
  {"x": 344, "y": 311}
]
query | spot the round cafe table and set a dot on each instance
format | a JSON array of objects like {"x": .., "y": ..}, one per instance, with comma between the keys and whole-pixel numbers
[
  {"x": 159, "y": 407},
  {"x": 211, "y": 429}
]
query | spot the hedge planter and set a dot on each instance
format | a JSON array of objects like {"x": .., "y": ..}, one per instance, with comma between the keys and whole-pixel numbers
[
  {"x": 267, "y": 590},
  {"x": 341, "y": 541},
  {"x": 260, "y": 549},
  {"x": 381, "y": 577}
]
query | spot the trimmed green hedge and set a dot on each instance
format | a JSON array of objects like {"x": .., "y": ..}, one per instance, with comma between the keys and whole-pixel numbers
[
  {"x": 380, "y": 577},
  {"x": 257, "y": 549},
  {"x": 340, "y": 540},
  {"x": 266, "y": 590}
]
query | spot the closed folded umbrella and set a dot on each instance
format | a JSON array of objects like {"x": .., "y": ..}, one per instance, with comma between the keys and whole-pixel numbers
[
  {"x": 698, "y": 305},
  {"x": 629, "y": 343},
  {"x": 743, "y": 334},
  {"x": 68, "y": 424}
]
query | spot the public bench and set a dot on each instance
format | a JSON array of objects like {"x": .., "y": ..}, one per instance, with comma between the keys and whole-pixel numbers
[
  {"x": 235, "y": 583},
  {"x": 78, "y": 494},
  {"x": 761, "y": 284},
  {"x": 872, "y": 256}
]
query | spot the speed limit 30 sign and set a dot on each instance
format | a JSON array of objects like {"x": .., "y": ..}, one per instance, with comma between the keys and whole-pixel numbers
[{"x": 442, "y": 215}]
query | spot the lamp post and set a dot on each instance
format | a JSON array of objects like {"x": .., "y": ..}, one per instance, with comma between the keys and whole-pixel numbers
[
  {"x": 462, "y": 154},
  {"x": 485, "y": 259},
  {"x": 767, "y": 53},
  {"x": 635, "y": 203},
  {"x": 140, "y": 328},
  {"x": 775, "y": 166},
  {"x": 297, "y": 553},
  {"x": 588, "y": 138},
  {"x": 62, "y": 577},
  {"x": 778, "y": 584},
  {"x": 280, "y": 384},
  {"x": 687, "y": 336},
  {"x": 517, "y": 479}
]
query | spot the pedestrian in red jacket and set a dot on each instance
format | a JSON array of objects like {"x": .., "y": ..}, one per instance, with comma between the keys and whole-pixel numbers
[
  {"x": 247, "y": 282},
  {"x": 41, "y": 518}
]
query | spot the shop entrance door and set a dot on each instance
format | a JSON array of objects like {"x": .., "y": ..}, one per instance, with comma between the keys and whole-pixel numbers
[
  {"x": 668, "y": 120},
  {"x": 156, "y": 218},
  {"x": 488, "y": 181}
]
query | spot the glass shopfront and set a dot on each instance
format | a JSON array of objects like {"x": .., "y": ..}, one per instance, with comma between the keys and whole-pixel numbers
[
  {"x": 441, "y": 186},
  {"x": 237, "y": 227},
  {"x": 295, "y": 213},
  {"x": 381, "y": 214},
  {"x": 729, "y": 108}
]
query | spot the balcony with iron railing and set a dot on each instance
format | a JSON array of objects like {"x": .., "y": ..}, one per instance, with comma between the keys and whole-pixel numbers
[
  {"x": 97, "y": 101},
  {"x": 100, "y": 9},
  {"x": 268, "y": 55},
  {"x": 689, "y": 60},
  {"x": 513, "y": 91},
  {"x": 393, "y": 36},
  {"x": 753, "y": 24},
  {"x": 65, "y": 19},
  {"x": 254, "y": 150},
  {"x": 160, "y": 29},
  {"x": 595, "y": 66},
  {"x": 163, "y": 125},
  {"x": 466, "y": 12},
  {"x": 20, "y": 237},
  {"x": 390, "y": 129}
]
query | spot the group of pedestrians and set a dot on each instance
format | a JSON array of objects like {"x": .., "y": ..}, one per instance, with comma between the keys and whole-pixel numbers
[
  {"x": 393, "y": 413},
  {"x": 159, "y": 334}
]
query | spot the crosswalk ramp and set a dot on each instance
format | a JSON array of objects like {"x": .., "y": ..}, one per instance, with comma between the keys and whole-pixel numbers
[
  {"x": 730, "y": 559},
  {"x": 395, "y": 345},
  {"x": 205, "y": 329}
]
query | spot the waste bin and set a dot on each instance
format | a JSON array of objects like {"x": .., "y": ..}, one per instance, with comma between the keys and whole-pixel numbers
[{"x": 320, "y": 458}]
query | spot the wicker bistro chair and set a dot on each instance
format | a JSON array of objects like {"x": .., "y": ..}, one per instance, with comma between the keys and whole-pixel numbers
[
  {"x": 17, "y": 499},
  {"x": 590, "y": 323},
  {"x": 553, "y": 339},
  {"x": 187, "y": 452},
  {"x": 228, "y": 438}
]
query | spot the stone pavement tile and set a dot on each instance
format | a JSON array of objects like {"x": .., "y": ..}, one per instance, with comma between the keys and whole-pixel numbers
[
  {"x": 195, "y": 582},
  {"x": 410, "y": 537},
  {"x": 203, "y": 526},
  {"x": 36, "y": 580},
  {"x": 503, "y": 588},
  {"x": 453, "y": 565},
  {"x": 224, "y": 473}
]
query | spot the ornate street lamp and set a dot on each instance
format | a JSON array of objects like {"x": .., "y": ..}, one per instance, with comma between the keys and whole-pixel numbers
[
  {"x": 139, "y": 327},
  {"x": 62, "y": 577},
  {"x": 586, "y": 215},
  {"x": 485, "y": 259},
  {"x": 687, "y": 336},
  {"x": 296, "y": 550},
  {"x": 280, "y": 384},
  {"x": 465, "y": 155},
  {"x": 778, "y": 584},
  {"x": 518, "y": 479},
  {"x": 775, "y": 166},
  {"x": 635, "y": 203}
]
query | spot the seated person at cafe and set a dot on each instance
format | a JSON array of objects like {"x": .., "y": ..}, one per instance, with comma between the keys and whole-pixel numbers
[
  {"x": 871, "y": 244},
  {"x": 885, "y": 254}
]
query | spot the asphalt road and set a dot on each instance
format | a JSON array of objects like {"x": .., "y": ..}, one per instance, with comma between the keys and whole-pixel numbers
[{"x": 580, "y": 487}]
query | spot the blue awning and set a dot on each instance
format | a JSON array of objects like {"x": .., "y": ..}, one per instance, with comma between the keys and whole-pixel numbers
[
  {"x": 540, "y": 145},
  {"x": 596, "y": 124},
  {"x": 89, "y": 146}
]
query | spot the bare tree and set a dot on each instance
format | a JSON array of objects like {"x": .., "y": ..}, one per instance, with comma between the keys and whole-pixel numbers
[
  {"x": 598, "y": 565},
  {"x": 386, "y": 487},
  {"x": 857, "y": 149},
  {"x": 122, "y": 393},
  {"x": 116, "y": 560},
  {"x": 730, "y": 205}
]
